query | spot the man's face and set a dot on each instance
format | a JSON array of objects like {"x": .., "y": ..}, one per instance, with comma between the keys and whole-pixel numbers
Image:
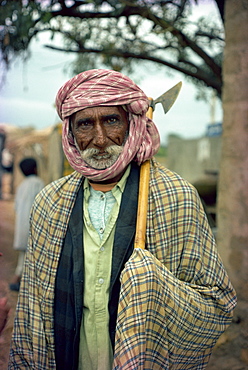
[{"x": 100, "y": 133}]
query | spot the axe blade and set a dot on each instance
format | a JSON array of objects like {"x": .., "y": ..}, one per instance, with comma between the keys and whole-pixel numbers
[{"x": 169, "y": 97}]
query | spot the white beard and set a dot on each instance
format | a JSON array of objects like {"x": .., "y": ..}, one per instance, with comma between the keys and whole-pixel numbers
[{"x": 100, "y": 162}]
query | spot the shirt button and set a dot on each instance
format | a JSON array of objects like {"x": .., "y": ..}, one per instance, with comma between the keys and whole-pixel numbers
[
  {"x": 101, "y": 230},
  {"x": 101, "y": 281},
  {"x": 102, "y": 249},
  {"x": 102, "y": 196}
]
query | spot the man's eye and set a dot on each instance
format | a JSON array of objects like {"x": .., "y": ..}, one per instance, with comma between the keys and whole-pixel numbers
[
  {"x": 83, "y": 125},
  {"x": 111, "y": 121}
]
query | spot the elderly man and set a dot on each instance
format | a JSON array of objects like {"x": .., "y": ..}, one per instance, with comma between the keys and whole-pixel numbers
[{"x": 88, "y": 300}]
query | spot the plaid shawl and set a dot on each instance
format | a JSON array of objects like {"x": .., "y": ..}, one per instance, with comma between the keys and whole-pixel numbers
[
  {"x": 101, "y": 87},
  {"x": 175, "y": 300}
]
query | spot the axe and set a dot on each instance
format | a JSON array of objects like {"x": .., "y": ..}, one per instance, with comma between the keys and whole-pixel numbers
[{"x": 167, "y": 100}]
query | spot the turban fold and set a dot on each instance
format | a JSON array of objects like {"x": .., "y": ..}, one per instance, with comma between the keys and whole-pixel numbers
[{"x": 102, "y": 87}]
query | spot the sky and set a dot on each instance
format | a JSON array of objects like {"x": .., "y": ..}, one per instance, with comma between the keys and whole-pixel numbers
[{"x": 28, "y": 95}]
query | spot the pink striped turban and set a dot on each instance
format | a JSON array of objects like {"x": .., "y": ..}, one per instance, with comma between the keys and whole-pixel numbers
[{"x": 101, "y": 87}]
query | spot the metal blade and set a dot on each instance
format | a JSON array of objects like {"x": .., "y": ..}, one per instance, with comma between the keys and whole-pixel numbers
[{"x": 168, "y": 98}]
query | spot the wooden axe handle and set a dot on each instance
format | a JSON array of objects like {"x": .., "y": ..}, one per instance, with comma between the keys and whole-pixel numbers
[{"x": 140, "y": 236}]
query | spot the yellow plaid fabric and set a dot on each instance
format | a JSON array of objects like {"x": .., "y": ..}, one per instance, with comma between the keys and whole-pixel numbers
[{"x": 175, "y": 299}]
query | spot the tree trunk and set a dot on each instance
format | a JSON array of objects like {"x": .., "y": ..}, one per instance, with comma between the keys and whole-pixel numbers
[{"x": 232, "y": 212}]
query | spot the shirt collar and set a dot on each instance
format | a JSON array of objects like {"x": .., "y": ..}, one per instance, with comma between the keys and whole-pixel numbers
[{"x": 120, "y": 185}]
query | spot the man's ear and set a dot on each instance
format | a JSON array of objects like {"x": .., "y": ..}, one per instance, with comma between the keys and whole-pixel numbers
[{"x": 70, "y": 123}]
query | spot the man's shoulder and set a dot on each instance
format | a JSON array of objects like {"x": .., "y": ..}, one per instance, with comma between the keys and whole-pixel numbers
[
  {"x": 163, "y": 174},
  {"x": 27, "y": 183},
  {"x": 170, "y": 187},
  {"x": 63, "y": 187},
  {"x": 35, "y": 180}
]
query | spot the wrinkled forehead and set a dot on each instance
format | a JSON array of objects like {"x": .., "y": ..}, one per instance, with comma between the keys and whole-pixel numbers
[{"x": 100, "y": 111}]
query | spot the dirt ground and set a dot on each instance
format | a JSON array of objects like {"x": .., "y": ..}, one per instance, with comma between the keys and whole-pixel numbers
[{"x": 224, "y": 356}]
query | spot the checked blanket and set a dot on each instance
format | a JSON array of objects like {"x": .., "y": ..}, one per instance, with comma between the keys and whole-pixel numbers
[
  {"x": 175, "y": 300},
  {"x": 159, "y": 324}
]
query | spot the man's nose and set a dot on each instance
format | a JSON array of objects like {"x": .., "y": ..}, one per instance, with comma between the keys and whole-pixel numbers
[{"x": 100, "y": 137}]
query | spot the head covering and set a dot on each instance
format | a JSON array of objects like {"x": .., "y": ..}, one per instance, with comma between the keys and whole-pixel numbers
[
  {"x": 101, "y": 87},
  {"x": 28, "y": 166}
]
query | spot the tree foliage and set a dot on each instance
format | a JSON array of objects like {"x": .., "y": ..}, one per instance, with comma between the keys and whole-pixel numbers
[{"x": 118, "y": 35}]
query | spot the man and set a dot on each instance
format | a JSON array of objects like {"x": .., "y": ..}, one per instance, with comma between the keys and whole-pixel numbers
[
  {"x": 2, "y": 143},
  {"x": 24, "y": 198},
  {"x": 87, "y": 299}
]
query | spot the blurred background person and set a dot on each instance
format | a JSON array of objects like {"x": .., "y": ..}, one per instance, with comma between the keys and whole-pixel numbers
[
  {"x": 25, "y": 194},
  {"x": 2, "y": 142}
]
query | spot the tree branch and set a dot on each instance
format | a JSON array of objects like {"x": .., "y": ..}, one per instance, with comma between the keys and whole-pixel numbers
[
  {"x": 145, "y": 13},
  {"x": 198, "y": 74}
]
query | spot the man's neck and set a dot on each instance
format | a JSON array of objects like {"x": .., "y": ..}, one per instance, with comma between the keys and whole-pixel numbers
[
  {"x": 110, "y": 181},
  {"x": 102, "y": 187}
]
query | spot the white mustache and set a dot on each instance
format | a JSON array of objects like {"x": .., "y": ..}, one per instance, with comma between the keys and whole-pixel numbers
[
  {"x": 99, "y": 161},
  {"x": 95, "y": 153}
]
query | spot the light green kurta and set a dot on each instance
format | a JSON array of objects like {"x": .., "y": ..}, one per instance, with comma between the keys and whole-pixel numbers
[{"x": 100, "y": 216}]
